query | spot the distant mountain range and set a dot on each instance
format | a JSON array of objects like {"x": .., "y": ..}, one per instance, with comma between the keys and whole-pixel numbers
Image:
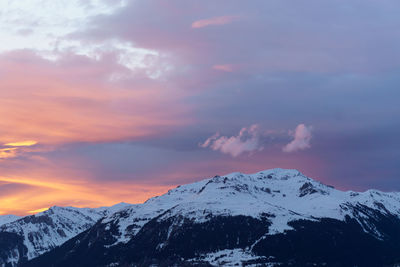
[{"x": 275, "y": 217}]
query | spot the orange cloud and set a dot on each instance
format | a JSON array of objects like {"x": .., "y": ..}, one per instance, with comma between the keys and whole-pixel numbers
[
  {"x": 44, "y": 105},
  {"x": 74, "y": 101},
  {"x": 214, "y": 21},
  {"x": 8, "y": 153},
  {"x": 12, "y": 150},
  {"x": 22, "y": 143}
]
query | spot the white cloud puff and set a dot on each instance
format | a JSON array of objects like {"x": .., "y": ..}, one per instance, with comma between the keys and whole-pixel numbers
[
  {"x": 302, "y": 137},
  {"x": 247, "y": 140}
]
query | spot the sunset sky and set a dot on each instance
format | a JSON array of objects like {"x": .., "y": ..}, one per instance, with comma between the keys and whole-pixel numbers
[{"x": 103, "y": 101}]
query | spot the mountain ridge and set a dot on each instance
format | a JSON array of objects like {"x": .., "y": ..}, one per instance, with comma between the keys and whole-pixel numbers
[
  {"x": 36, "y": 234},
  {"x": 247, "y": 209}
]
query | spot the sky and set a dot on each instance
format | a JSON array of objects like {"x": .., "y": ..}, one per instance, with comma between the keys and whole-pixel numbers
[{"x": 103, "y": 101}]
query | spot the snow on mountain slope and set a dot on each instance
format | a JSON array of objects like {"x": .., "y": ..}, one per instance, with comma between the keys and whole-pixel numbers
[
  {"x": 44, "y": 231},
  {"x": 230, "y": 257},
  {"x": 275, "y": 197},
  {"x": 8, "y": 218},
  {"x": 284, "y": 195}
]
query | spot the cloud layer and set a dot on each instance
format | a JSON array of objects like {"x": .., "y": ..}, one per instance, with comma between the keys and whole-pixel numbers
[{"x": 73, "y": 100}]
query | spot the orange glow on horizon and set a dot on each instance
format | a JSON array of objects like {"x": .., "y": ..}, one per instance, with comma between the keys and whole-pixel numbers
[{"x": 36, "y": 194}]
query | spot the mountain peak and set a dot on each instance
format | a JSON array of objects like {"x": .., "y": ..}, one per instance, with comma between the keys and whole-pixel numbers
[
  {"x": 263, "y": 181},
  {"x": 277, "y": 173}
]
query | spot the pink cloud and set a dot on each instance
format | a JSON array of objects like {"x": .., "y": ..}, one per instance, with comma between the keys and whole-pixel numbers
[
  {"x": 247, "y": 140},
  {"x": 302, "y": 137},
  {"x": 214, "y": 21},
  {"x": 224, "y": 67},
  {"x": 73, "y": 100}
]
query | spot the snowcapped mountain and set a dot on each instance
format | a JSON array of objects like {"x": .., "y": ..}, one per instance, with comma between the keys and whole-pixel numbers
[
  {"x": 25, "y": 238},
  {"x": 8, "y": 218},
  {"x": 287, "y": 194},
  {"x": 274, "y": 217}
]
